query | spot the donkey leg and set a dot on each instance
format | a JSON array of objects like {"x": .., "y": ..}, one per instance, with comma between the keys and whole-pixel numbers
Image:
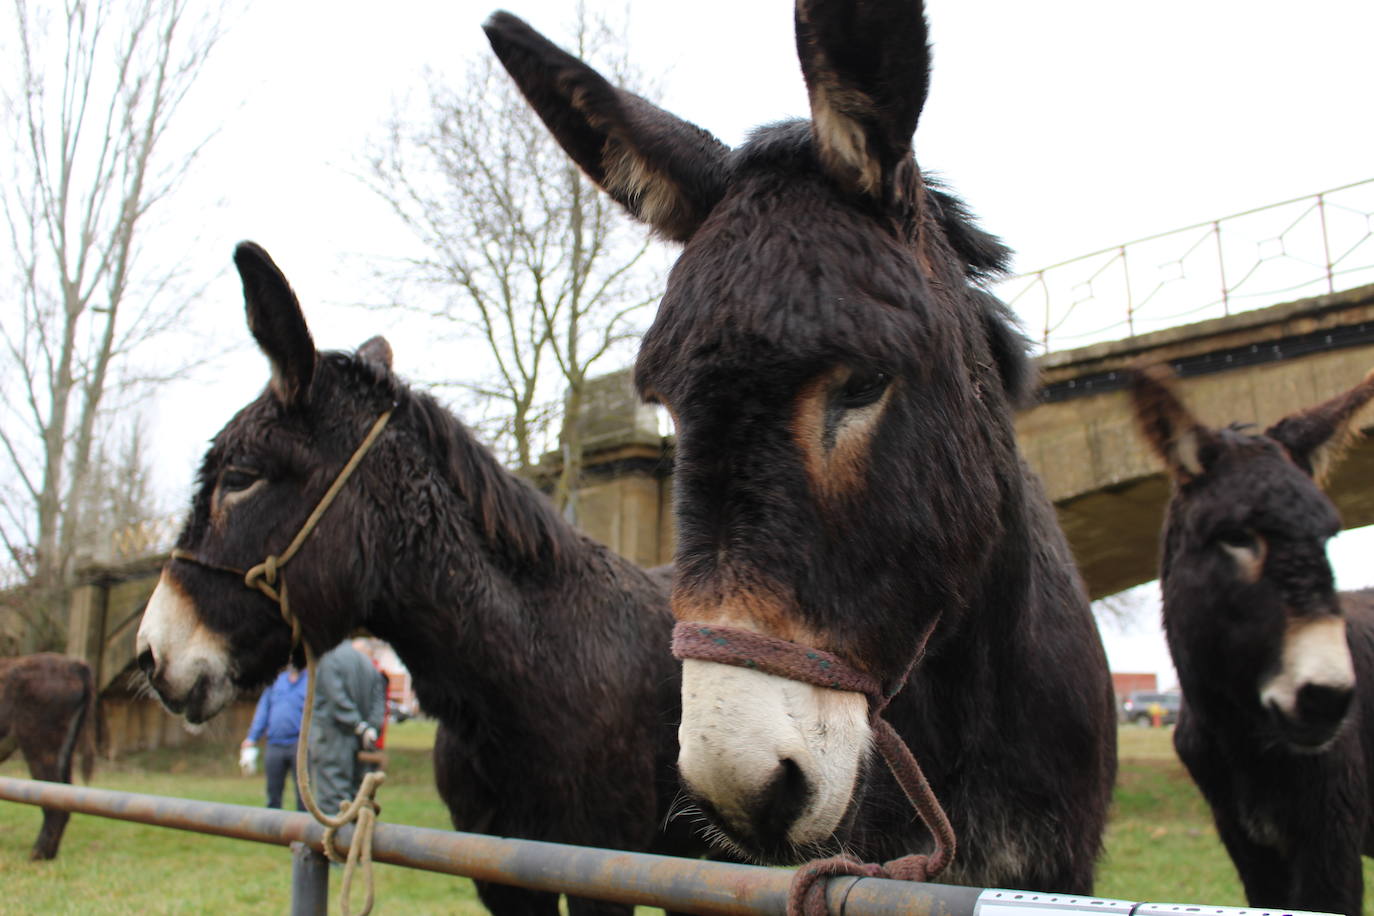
[
  {"x": 583, "y": 906},
  {"x": 503, "y": 900},
  {"x": 50, "y": 835},
  {"x": 1265, "y": 874},
  {"x": 1327, "y": 873},
  {"x": 43, "y": 764}
]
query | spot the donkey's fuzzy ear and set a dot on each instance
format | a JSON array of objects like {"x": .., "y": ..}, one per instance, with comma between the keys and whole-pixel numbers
[
  {"x": 1317, "y": 437},
  {"x": 377, "y": 351},
  {"x": 666, "y": 172},
  {"x": 275, "y": 318},
  {"x": 867, "y": 69},
  {"x": 1167, "y": 424}
]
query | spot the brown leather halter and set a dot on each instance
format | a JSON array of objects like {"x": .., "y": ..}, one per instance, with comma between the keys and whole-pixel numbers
[{"x": 747, "y": 649}]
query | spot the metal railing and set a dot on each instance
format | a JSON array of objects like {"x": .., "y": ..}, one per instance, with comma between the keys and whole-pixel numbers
[
  {"x": 1301, "y": 247},
  {"x": 686, "y": 885}
]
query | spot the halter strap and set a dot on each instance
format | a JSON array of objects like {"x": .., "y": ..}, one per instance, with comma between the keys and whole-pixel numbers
[
  {"x": 264, "y": 575},
  {"x": 363, "y": 809},
  {"x": 771, "y": 655},
  {"x": 780, "y": 657}
]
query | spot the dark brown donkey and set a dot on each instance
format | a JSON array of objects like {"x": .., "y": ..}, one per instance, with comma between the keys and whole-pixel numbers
[
  {"x": 846, "y": 473},
  {"x": 1277, "y": 669},
  {"x": 49, "y": 711},
  {"x": 543, "y": 655}
]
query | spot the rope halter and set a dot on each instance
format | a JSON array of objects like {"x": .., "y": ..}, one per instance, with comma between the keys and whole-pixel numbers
[
  {"x": 747, "y": 649},
  {"x": 266, "y": 577}
]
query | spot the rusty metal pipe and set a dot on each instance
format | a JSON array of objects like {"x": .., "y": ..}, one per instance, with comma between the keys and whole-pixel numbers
[{"x": 686, "y": 885}]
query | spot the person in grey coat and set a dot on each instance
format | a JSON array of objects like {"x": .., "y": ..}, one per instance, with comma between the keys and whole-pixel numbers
[{"x": 348, "y": 714}]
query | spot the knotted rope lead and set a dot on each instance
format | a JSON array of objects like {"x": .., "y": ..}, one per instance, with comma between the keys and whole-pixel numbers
[
  {"x": 265, "y": 577},
  {"x": 747, "y": 649}
]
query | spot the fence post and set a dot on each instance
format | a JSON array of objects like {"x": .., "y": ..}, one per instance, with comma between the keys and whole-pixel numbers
[
  {"x": 1130, "y": 300},
  {"x": 1221, "y": 269},
  {"x": 1326, "y": 244},
  {"x": 309, "y": 881}
]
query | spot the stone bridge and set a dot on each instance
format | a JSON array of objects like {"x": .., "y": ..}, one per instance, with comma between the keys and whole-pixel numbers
[{"x": 1251, "y": 367}]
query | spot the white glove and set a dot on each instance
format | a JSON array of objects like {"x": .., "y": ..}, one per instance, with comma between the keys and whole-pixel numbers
[
  {"x": 248, "y": 759},
  {"x": 369, "y": 738}
]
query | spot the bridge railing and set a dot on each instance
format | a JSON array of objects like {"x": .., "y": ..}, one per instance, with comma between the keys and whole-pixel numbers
[
  {"x": 684, "y": 885},
  {"x": 1301, "y": 247}
]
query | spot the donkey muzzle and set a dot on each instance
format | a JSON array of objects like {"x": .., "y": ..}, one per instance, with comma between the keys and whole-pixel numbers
[{"x": 1310, "y": 694}]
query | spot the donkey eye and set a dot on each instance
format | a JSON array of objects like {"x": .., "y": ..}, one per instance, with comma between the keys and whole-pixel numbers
[
  {"x": 1247, "y": 549},
  {"x": 1238, "y": 539},
  {"x": 863, "y": 387},
  {"x": 234, "y": 479}
]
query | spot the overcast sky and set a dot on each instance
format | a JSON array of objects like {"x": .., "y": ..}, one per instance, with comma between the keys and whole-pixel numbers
[{"x": 1067, "y": 125}]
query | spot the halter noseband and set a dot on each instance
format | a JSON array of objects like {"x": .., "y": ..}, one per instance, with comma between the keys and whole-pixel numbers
[
  {"x": 782, "y": 658},
  {"x": 263, "y": 576}
]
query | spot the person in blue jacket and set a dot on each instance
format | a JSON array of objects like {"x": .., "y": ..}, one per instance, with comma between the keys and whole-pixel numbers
[{"x": 278, "y": 717}]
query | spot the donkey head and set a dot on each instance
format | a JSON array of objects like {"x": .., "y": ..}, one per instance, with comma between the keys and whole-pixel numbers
[
  {"x": 204, "y": 633},
  {"x": 840, "y": 390},
  {"x": 1250, "y": 609}
]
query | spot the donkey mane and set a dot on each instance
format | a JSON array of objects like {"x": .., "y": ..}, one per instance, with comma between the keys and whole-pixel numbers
[
  {"x": 521, "y": 528},
  {"x": 506, "y": 509}
]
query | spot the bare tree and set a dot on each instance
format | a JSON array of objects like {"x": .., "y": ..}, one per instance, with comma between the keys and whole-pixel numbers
[
  {"x": 119, "y": 501},
  {"x": 1127, "y": 610},
  {"x": 116, "y": 516},
  {"x": 90, "y": 93},
  {"x": 521, "y": 251}
]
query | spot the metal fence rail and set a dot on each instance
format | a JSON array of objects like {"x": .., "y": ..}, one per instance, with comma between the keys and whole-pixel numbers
[
  {"x": 1301, "y": 247},
  {"x": 686, "y": 885}
]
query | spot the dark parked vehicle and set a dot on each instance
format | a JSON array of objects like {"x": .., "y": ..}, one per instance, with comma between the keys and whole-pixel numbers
[{"x": 1139, "y": 707}]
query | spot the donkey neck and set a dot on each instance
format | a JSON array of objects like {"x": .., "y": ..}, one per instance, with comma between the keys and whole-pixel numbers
[{"x": 492, "y": 592}]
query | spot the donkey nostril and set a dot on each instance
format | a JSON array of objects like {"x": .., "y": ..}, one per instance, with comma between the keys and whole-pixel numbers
[
  {"x": 1318, "y": 703},
  {"x": 781, "y": 801},
  {"x": 146, "y": 663}
]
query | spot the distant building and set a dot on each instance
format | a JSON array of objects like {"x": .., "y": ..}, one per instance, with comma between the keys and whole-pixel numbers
[
  {"x": 1123, "y": 682},
  {"x": 400, "y": 690}
]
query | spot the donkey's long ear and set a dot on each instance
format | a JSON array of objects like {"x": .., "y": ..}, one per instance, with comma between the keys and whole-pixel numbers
[
  {"x": 1317, "y": 437},
  {"x": 1167, "y": 425},
  {"x": 867, "y": 70},
  {"x": 275, "y": 318},
  {"x": 665, "y": 171}
]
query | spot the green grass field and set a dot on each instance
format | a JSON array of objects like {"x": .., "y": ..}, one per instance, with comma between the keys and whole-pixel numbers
[
  {"x": 1161, "y": 845},
  {"x": 115, "y": 867}
]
